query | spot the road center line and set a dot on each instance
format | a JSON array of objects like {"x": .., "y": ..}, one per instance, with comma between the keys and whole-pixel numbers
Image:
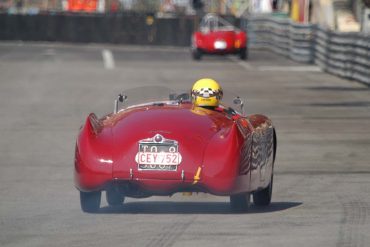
[{"x": 108, "y": 59}]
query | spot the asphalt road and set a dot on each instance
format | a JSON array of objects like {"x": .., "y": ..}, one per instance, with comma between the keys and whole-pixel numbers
[{"x": 321, "y": 192}]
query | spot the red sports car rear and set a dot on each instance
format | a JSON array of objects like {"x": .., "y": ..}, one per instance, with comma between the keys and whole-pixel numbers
[
  {"x": 164, "y": 147},
  {"x": 217, "y": 36}
]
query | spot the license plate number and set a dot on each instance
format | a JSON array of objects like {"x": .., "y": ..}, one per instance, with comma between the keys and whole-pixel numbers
[
  {"x": 158, "y": 157},
  {"x": 148, "y": 158}
]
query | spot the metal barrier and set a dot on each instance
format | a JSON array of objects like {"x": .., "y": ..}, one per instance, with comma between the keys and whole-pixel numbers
[
  {"x": 343, "y": 54},
  {"x": 123, "y": 28},
  {"x": 282, "y": 36}
]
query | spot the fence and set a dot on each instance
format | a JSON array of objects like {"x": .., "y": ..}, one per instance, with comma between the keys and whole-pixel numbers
[
  {"x": 343, "y": 54},
  {"x": 128, "y": 28},
  {"x": 282, "y": 36},
  {"x": 346, "y": 55}
]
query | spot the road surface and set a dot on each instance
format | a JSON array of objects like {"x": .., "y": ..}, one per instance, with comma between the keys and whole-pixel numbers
[{"x": 321, "y": 193}]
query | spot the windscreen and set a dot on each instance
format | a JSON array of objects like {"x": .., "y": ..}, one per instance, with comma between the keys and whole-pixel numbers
[{"x": 150, "y": 95}]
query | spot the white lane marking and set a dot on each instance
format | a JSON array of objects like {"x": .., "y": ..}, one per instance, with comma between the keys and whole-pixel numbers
[
  {"x": 108, "y": 59},
  {"x": 309, "y": 68},
  {"x": 245, "y": 65}
]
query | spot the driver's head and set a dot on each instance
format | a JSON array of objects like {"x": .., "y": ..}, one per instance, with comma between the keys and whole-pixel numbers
[{"x": 206, "y": 93}]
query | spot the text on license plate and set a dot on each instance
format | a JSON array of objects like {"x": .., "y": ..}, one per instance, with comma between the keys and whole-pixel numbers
[{"x": 162, "y": 158}]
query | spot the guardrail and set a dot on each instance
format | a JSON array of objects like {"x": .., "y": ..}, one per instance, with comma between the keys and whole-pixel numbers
[
  {"x": 343, "y": 54},
  {"x": 282, "y": 36}
]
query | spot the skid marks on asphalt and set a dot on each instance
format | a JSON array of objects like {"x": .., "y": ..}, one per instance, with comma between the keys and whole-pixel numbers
[
  {"x": 355, "y": 222},
  {"x": 171, "y": 232}
]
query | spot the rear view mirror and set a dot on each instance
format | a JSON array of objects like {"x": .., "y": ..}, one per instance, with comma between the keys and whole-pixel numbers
[
  {"x": 239, "y": 102},
  {"x": 121, "y": 98}
]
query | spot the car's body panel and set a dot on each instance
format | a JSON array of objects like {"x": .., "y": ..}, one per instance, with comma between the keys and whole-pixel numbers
[
  {"x": 221, "y": 154},
  {"x": 171, "y": 122},
  {"x": 93, "y": 156},
  {"x": 235, "y": 40}
]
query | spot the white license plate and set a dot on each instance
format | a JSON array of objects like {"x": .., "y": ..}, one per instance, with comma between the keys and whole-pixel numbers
[
  {"x": 158, "y": 153},
  {"x": 220, "y": 45}
]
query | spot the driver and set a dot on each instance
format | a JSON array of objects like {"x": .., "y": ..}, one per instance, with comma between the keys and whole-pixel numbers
[{"x": 207, "y": 93}]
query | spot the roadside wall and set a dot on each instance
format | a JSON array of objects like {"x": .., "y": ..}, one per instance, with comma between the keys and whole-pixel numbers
[
  {"x": 343, "y": 54},
  {"x": 132, "y": 28}
]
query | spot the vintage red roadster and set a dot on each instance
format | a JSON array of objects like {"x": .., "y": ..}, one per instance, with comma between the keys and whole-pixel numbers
[
  {"x": 158, "y": 146},
  {"x": 217, "y": 36}
]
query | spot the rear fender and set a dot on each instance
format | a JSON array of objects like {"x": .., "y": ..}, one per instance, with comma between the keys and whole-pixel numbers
[
  {"x": 93, "y": 157},
  {"x": 241, "y": 40},
  {"x": 221, "y": 161},
  {"x": 197, "y": 40}
]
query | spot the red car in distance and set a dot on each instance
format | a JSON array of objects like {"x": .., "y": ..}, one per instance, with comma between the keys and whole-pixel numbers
[
  {"x": 217, "y": 36},
  {"x": 159, "y": 144}
]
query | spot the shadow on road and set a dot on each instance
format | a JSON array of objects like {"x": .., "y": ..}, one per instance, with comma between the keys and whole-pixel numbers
[{"x": 191, "y": 208}]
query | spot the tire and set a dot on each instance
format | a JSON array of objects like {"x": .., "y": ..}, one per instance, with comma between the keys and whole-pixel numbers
[
  {"x": 114, "y": 198},
  {"x": 90, "y": 201},
  {"x": 197, "y": 54},
  {"x": 240, "y": 202},
  {"x": 263, "y": 197},
  {"x": 243, "y": 54}
]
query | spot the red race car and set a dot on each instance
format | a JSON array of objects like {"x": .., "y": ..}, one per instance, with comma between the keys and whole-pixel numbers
[
  {"x": 158, "y": 146},
  {"x": 217, "y": 36}
]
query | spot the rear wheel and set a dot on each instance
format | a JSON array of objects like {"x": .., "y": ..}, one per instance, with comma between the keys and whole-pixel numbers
[
  {"x": 240, "y": 202},
  {"x": 197, "y": 54},
  {"x": 114, "y": 198},
  {"x": 263, "y": 197},
  {"x": 90, "y": 201},
  {"x": 243, "y": 54}
]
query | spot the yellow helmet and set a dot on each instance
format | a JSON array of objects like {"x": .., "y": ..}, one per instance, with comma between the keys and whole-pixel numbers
[{"x": 206, "y": 92}]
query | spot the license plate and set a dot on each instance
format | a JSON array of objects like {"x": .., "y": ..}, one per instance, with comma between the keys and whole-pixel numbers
[
  {"x": 163, "y": 156},
  {"x": 148, "y": 158},
  {"x": 220, "y": 45}
]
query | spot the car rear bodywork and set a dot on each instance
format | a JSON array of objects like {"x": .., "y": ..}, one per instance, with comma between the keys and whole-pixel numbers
[
  {"x": 217, "y": 36},
  {"x": 209, "y": 151}
]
